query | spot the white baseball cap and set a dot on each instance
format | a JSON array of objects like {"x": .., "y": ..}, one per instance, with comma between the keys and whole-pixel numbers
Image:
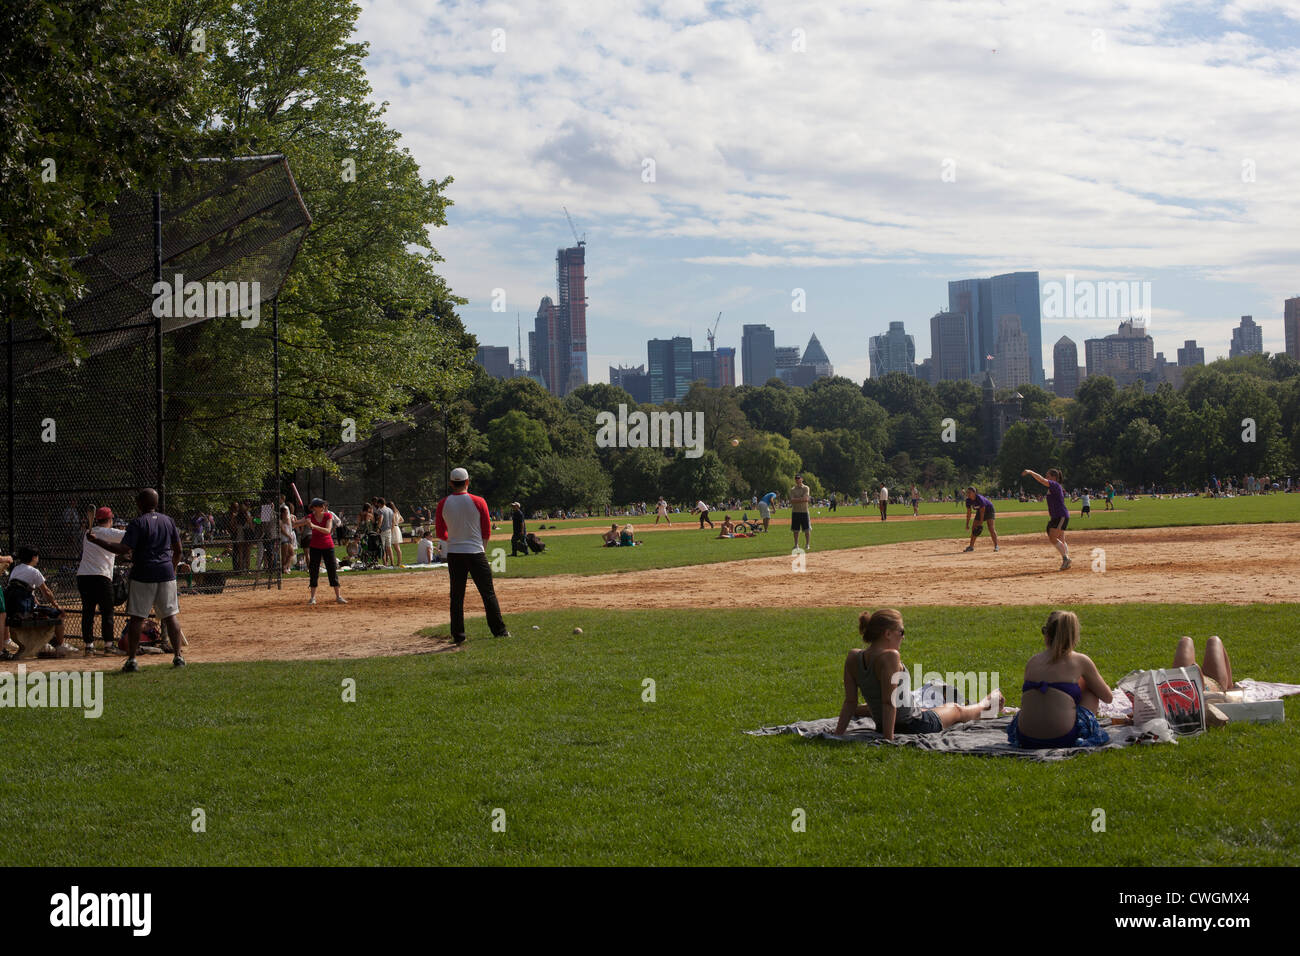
[{"x": 459, "y": 474}]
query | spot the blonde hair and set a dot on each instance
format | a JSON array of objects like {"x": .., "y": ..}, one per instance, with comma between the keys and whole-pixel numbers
[
  {"x": 872, "y": 627},
  {"x": 1062, "y": 633}
]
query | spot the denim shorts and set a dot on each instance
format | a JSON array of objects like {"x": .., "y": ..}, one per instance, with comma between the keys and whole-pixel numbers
[{"x": 922, "y": 722}]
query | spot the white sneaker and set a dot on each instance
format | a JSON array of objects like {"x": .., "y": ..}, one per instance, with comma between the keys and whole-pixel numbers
[
  {"x": 341, "y": 600},
  {"x": 996, "y": 548},
  {"x": 11, "y": 647},
  {"x": 1065, "y": 564},
  {"x": 311, "y": 600}
]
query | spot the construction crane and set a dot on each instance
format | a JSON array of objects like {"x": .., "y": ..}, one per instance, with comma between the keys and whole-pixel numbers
[
  {"x": 583, "y": 240},
  {"x": 712, "y": 330}
]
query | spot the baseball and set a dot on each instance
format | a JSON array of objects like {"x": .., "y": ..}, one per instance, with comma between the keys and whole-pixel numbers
[{"x": 735, "y": 441}]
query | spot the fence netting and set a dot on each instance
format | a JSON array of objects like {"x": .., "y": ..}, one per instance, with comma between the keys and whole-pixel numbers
[{"x": 82, "y": 430}]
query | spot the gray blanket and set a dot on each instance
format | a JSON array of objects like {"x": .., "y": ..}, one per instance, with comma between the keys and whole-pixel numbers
[{"x": 983, "y": 737}]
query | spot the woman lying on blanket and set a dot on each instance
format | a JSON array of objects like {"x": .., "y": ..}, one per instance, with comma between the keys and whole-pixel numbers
[
  {"x": 877, "y": 672},
  {"x": 1060, "y": 694}
]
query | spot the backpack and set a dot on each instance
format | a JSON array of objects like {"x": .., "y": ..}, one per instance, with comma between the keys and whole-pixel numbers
[
  {"x": 150, "y": 636},
  {"x": 534, "y": 543}
]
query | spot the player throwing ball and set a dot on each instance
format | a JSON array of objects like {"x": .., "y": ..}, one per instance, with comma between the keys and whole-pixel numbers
[
  {"x": 1058, "y": 515},
  {"x": 984, "y": 513}
]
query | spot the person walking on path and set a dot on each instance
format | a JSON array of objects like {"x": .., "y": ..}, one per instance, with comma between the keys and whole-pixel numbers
[
  {"x": 463, "y": 522},
  {"x": 518, "y": 531},
  {"x": 154, "y": 544},
  {"x": 800, "y": 497},
  {"x": 882, "y": 498}
]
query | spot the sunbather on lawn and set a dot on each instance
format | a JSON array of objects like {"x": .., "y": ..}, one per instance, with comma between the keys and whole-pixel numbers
[
  {"x": 1061, "y": 692},
  {"x": 877, "y": 672}
]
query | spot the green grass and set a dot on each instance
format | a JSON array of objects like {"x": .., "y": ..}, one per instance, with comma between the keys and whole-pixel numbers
[
  {"x": 584, "y": 554},
  {"x": 551, "y": 728}
]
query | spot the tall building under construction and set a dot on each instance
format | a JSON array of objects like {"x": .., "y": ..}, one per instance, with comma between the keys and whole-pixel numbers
[{"x": 558, "y": 344}]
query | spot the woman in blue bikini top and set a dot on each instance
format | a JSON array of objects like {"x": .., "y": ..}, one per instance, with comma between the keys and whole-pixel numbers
[{"x": 1058, "y": 681}]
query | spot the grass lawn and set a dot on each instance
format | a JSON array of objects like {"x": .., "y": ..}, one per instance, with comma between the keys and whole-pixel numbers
[
  {"x": 551, "y": 728},
  {"x": 583, "y": 554}
]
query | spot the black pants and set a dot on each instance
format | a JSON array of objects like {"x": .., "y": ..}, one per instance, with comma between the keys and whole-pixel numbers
[
  {"x": 331, "y": 565},
  {"x": 519, "y": 545},
  {"x": 704, "y": 516},
  {"x": 96, "y": 594},
  {"x": 460, "y": 567}
]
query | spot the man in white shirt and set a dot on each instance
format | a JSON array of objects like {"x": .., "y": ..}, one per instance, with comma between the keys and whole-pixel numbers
[
  {"x": 883, "y": 499},
  {"x": 424, "y": 551},
  {"x": 95, "y": 582},
  {"x": 26, "y": 584},
  {"x": 703, "y": 509},
  {"x": 463, "y": 522}
]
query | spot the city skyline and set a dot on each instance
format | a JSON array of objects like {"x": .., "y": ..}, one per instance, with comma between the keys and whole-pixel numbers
[
  {"x": 869, "y": 211},
  {"x": 965, "y": 296}
]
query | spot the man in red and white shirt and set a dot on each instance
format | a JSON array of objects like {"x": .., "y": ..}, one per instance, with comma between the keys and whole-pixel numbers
[{"x": 463, "y": 522}]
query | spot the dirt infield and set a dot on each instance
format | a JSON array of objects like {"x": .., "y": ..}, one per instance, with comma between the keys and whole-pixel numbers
[{"x": 1232, "y": 564}]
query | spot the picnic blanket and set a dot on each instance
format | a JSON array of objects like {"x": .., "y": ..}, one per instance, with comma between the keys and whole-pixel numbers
[
  {"x": 983, "y": 737},
  {"x": 989, "y": 737}
]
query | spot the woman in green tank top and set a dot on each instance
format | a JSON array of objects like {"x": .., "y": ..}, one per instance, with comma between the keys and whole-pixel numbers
[{"x": 877, "y": 672}]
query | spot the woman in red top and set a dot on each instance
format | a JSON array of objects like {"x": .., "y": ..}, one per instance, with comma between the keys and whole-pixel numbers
[{"x": 321, "y": 521}]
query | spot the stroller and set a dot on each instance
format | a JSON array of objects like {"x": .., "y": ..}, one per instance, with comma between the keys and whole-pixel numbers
[{"x": 369, "y": 548}]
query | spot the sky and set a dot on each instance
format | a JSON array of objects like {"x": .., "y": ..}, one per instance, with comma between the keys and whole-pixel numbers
[{"x": 719, "y": 156}]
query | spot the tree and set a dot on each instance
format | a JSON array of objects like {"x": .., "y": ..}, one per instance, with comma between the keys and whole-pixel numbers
[
  {"x": 637, "y": 475},
  {"x": 689, "y": 479},
  {"x": 771, "y": 409},
  {"x": 1137, "y": 453},
  {"x": 92, "y": 107},
  {"x": 516, "y": 444},
  {"x": 767, "y": 463},
  {"x": 837, "y": 403},
  {"x": 571, "y": 483},
  {"x": 1026, "y": 445}
]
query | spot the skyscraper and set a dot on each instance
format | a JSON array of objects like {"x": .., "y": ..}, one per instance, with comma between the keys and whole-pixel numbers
[
  {"x": 726, "y": 367},
  {"x": 892, "y": 351},
  {"x": 542, "y": 344},
  {"x": 671, "y": 369},
  {"x": 757, "y": 354},
  {"x": 704, "y": 368},
  {"x": 815, "y": 355},
  {"x": 1125, "y": 356},
  {"x": 1011, "y": 359},
  {"x": 950, "y": 346},
  {"x": 1016, "y": 293},
  {"x": 1247, "y": 338},
  {"x": 495, "y": 360},
  {"x": 973, "y": 298},
  {"x": 571, "y": 284},
  {"x": 633, "y": 380},
  {"x": 1291, "y": 326},
  {"x": 1065, "y": 367},
  {"x": 1190, "y": 354}
]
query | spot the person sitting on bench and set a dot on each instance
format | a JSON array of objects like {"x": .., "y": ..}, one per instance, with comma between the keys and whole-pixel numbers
[{"x": 26, "y": 584}]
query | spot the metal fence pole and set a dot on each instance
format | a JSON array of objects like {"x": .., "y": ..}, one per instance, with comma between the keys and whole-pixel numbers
[
  {"x": 158, "y": 351},
  {"x": 9, "y": 399},
  {"x": 275, "y": 400}
]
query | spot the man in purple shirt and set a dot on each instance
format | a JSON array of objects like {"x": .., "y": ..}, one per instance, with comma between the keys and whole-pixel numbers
[
  {"x": 1058, "y": 515},
  {"x": 155, "y": 546},
  {"x": 984, "y": 514}
]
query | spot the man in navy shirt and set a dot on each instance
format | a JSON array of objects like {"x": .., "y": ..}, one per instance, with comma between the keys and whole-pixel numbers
[
  {"x": 984, "y": 515},
  {"x": 155, "y": 548}
]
